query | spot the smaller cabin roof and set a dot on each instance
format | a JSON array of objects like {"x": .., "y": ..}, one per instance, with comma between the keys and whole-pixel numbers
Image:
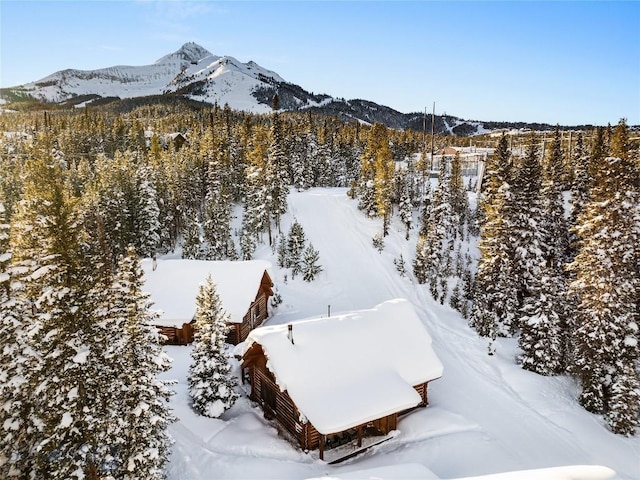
[
  {"x": 174, "y": 285},
  {"x": 349, "y": 369}
]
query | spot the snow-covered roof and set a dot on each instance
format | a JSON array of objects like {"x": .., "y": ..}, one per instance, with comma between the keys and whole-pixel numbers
[
  {"x": 174, "y": 285},
  {"x": 345, "y": 370}
]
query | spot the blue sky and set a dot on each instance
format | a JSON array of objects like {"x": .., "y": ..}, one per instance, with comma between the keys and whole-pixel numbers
[{"x": 555, "y": 62}]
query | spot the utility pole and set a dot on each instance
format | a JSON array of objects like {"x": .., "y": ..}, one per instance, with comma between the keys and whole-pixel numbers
[
  {"x": 424, "y": 130},
  {"x": 433, "y": 122},
  {"x": 424, "y": 164}
]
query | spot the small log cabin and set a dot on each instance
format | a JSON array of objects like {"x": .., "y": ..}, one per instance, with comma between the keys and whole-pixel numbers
[
  {"x": 244, "y": 289},
  {"x": 330, "y": 380}
]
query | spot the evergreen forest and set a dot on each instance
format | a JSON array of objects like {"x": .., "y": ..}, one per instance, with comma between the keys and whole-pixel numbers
[{"x": 549, "y": 255}]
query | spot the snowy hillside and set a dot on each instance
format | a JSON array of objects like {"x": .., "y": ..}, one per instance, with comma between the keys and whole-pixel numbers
[
  {"x": 486, "y": 415},
  {"x": 191, "y": 70}
]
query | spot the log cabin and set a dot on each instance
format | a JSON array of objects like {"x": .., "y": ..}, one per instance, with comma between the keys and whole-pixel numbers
[
  {"x": 332, "y": 380},
  {"x": 244, "y": 289}
]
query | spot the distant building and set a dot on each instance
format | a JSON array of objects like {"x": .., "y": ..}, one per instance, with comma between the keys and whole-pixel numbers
[
  {"x": 244, "y": 289},
  {"x": 342, "y": 379}
]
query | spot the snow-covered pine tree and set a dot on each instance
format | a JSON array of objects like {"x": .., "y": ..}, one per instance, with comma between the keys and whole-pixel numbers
[
  {"x": 277, "y": 171},
  {"x": 211, "y": 382},
  {"x": 606, "y": 285},
  {"x": 455, "y": 301},
  {"x": 310, "y": 266},
  {"x": 405, "y": 206},
  {"x": 295, "y": 247},
  {"x": 323, "y": 164},
  {"x": 373, "y": 186},
  {"x": 191, "y": 243},
  {"x": 439, "y": 236},
  {"x": 544, "y": 338},
  {"x": 15, "y": 460},
  {"x": 143, "y": 442},
  {"x": 256, "y": 217},
  {"x": 68, "y": 426},
  {"x": 383, "y": 182},
  {"x": 147, "y": 212},
  {"x": 495, "y": 289},
  {"x": 525, "y": 229},
  {"x": 458, "y": 195},
  {"x": 283, "y": 252},
  {"x": 543, "y": 328},
  {"x": 579, "y": 190},
  {"x": 298, "y": 165},
  {"x": 420, "y": 261},
  {"x": 217, "y": 214},
  {"x": 400, "y": 265},
  {"x": 113, "y": 193},
  {"x": 169, "y": 216},
  {"x": 555, "y": 225},
  {"x": 247, "y": 244}
]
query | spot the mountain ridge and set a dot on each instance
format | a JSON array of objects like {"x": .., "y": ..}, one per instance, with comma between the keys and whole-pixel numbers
[{"x": 196, "y": 74}]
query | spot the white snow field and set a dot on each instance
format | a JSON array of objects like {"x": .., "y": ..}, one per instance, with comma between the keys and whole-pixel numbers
[{"x": 486, "y": 415}]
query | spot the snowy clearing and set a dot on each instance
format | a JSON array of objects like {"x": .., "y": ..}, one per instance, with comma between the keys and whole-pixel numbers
[{"x": 486, "y": 415}]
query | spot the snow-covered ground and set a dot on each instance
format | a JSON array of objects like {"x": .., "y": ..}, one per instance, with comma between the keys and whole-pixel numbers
[{"x": 486, "y": 415}]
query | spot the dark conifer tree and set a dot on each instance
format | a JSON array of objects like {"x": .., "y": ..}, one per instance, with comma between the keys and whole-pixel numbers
[
  {"x": 295, "y": 247},
  {"x": 310, "y": 266}
]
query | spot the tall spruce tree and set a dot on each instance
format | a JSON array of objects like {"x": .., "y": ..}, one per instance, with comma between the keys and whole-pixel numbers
[
  {"x": 68, "y": 431},
  {"x": 579, "y": 190},
  {"x": 211, "y": 383},
  {"x": 217, "y": 215},
  {"x": 405, "y": 205},
  {"x": 295, "y": 247},
  {"x": 606, "y": 285},
  {"x": 525, "y": 229},
  {"x": 495, "y": 294},
  {"x": 374, "y": 183},
  {"x": 147, "y": 221},
  {"x": 436, "y": 247},
  {"x": 458, "y": 195},
  {"x": 143, "y": 442},
  {"x": 277, "y": 171},
  {"x": 256, "y": 218}
]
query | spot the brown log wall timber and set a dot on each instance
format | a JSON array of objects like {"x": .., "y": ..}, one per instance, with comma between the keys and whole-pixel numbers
[{"x": 285, "y": 410}]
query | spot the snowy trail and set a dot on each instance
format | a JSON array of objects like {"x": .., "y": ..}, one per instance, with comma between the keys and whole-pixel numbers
[{"x": 486, "y": 415}]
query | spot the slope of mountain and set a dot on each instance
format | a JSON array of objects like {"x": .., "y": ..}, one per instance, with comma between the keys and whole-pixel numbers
[
  {"x": 191, "y": 71},
  {"x": 195, "y": 74}
]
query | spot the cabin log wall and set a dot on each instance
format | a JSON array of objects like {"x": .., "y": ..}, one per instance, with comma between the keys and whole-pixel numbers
[{"x": 285, "y": 410}]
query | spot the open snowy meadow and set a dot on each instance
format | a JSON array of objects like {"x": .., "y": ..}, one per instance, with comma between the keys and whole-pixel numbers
[{"x": 486, "y": 415}]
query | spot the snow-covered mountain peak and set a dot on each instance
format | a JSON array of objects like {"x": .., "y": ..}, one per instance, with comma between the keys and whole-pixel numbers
[
  {"x": 191, "y": 71},
  {"x": 190, "y": 52}
]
